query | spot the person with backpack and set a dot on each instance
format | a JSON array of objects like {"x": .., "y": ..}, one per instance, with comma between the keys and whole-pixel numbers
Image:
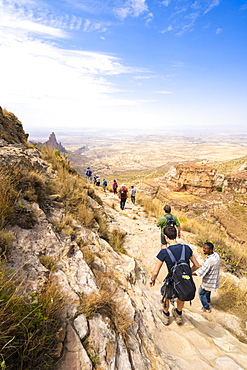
[
  {"x": 133, "y": 194},
  {"x": 168, "y": 220},
  {"x": 123, "y": 194},
  {"x": 104, "y": 184},
  {"x": 114, "y": 186},
  {"x": 178, "y": 283},
  {"x": 97, "y": 183},
  {"x": 89, "y": 174},
  {"x": 210, "y": 273}
]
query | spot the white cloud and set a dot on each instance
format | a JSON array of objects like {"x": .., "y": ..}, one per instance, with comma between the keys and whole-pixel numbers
[
  {"x": 144, "y": 77},
  {"x": 212, "y": 5},
  {"x": 218, "y": 31},
  {"x": 163, "y": 92},
  {"x": 133, "y": 8},
  {"x": 168, "y": 29},
  {"x": 93, "y": 26},
  {"x": 165, "y": 2}
]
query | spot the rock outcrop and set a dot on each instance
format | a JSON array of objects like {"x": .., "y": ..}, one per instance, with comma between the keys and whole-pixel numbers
[
  {"x": 191, "y": 177},
  {"x": 52, "y": 141},
  {"x": 11, "y": 130},
  {"x": 197, "y": 179}
]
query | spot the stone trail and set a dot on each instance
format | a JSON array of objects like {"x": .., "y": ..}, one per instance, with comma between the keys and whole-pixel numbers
[{"x": 201, "y": 342}]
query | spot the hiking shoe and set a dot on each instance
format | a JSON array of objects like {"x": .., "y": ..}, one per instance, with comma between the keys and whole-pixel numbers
[
  {"x": 177, "y": 317},
  {"x": 202, "y": 309},
  {"x": 165, "y": 319}
]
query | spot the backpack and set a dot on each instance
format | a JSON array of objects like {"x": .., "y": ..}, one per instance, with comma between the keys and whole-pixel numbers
[
  {"x": 170, "y": 221},
  {"x": 88, "y": 173},
  {"x": 180, "y": 277},
  {"x": 122, "y": 193}
]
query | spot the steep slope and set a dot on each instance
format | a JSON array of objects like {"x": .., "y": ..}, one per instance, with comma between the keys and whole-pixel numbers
[{"x": 63, "y": 233}]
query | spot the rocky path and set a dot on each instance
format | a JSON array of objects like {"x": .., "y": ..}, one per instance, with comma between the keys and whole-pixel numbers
[{"x": 202, "y": 342}]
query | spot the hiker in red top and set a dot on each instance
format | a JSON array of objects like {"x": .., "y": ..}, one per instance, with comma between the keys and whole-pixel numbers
[{"x": 123, "y": 195}]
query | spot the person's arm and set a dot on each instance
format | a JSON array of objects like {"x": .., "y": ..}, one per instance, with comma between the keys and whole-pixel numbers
[
  {"x": 195, "y": 263},
  {"x": 179, "y": 231},
  {"x": 155, "y": 272},
  {"x": 160, "y": 222}
]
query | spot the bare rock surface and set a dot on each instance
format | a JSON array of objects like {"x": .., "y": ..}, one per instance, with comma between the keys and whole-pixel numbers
[{"x": 204, "y": 340}]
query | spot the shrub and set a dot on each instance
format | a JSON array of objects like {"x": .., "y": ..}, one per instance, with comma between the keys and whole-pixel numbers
[
  {"x": 49, "y": 262},
  {"x": 116, "y": 240},
  {"x": 8, "y": 196},
  {"x": 64, "y": 224},
  {"x": 6, "y": 239},
  {"x": 27, "y": 329},
  {"x": 88, "y": 256},
  {"x": 232, "y": 297},
  {"x": 103, "y": 302}
]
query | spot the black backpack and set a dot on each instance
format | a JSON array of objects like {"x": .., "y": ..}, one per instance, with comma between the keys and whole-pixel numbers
[
  {"x": 170, "y": 221},
  {"x": 122, "y": 193},
  {"x": 180, "y": 277}
]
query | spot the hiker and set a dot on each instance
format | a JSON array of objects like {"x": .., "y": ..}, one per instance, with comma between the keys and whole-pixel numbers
[
  {"x": 210, "y": 273},
  {"x": 95, "y": 179},
  {"x": 97, "y": 183},
  {"x": 114, "y": 186},
  {"x": 104, "y": 184},
  {"x": 168, "y": 220},
  {"x": 133, "y": 194},
  {"x": 89, "y": 174},
  {"x": 123, "y": 194},
  {"x": 163, "y": 256}
]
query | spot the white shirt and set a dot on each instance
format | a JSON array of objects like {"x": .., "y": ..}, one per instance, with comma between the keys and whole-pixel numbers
[{"x": 210, "y": 272}]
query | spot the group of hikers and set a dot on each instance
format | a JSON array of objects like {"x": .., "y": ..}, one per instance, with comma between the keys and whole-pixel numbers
[
  {"x": 122, "y": 191},
  {"x": 178, "y": 283}
]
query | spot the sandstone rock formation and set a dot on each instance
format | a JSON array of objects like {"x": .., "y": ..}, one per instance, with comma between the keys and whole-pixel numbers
[
  {"x": 200, "y": 180},
  {"x": 191, "y": 177}
]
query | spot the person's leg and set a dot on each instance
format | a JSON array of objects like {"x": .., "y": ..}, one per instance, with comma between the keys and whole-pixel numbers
[
  {"x": 203, "y": 298},
  {"x": 166, "y": 305},
  {"x": 208, "y": 296},
  {"x": 124, "y": 201},
  {"x": 180, "y": 305},
  {"x": 177, "y": 312}
]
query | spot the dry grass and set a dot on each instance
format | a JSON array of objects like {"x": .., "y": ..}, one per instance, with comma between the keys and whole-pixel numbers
[
  {"x": 85, "y": 215},
  {"x": 116, "y": 240},
  {"x": 152, "y": 206},
  {"x": 27, "y": 329},
  {"x": 105, "y": 302},
  {"x": 64, "y": 225},
  {"x": 233, "y": 297},
  {"x": 49, "y": 262},
  {"x": 6, "y": 239},
  {"x": 8, "y": 196}
]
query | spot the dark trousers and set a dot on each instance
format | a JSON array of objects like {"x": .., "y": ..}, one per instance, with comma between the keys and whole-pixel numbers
[
  {"x": 122, "y": 203},
  {"x": 133, "y": 199}
]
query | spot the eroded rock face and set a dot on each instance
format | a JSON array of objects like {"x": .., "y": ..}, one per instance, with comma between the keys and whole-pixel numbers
[
  {"x": 11, "y": 130},
  {"x": 192, "y": 178}
]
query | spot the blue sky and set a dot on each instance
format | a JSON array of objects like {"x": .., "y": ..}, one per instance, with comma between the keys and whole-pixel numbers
[{"x": 175, "y": 65}]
